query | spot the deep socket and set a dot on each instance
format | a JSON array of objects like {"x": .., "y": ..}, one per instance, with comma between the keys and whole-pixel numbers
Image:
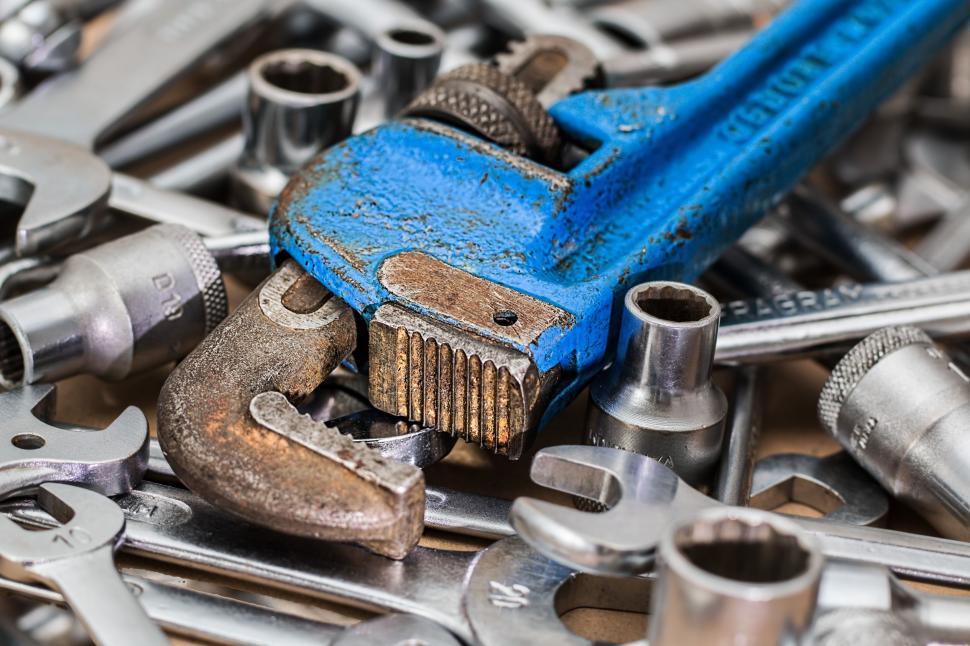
[
  {"x": 657, "y": 398},
  {"x": 119, "y": 308}
]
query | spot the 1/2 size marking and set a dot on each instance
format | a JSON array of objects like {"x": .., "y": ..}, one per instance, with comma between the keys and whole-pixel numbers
[
  {"x": 72, "y": 538},
  {"x": 508, "y": 596}
]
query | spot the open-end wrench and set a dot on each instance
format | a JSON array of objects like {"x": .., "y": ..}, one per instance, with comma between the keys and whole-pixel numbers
[
  {"x": 77, "y": 559},
  {"x": 32, "y": 451},
  {"x": 645, "y": 497},
  {"x": 533, "y": 259},
  {"x": 504, "y": 594},
  {"x": 65, "y": 189}
]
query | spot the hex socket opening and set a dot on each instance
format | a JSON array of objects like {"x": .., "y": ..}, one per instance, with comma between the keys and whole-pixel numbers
[
  {"x": 677, "y": 304},
  {"x": 303, "y": 76},
  {"x": 746, "y": 550},
  {"x": 11, "y": 357},
  {"x": 411, "y": 37}
]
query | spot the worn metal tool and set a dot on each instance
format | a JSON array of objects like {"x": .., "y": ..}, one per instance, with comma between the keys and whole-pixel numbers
[
  {"x": 486, "y": 279},
  {"x": 644, "y": 497},
  {"x": 834, "y": 485},
  {"x": 39, "y": 35},
  {"x": 78, "y": 560},
  {"x": 230, "y": 434},
  {"x": 898, "y": 404},
  {"x": 119, "y": 308},
  {"x": 657, "y": 397},
  {"x": 736, "y": 468},
  {"x": 735, "y": 576},
  {"x": 504, "y": 594},
  {"x": 33, "y": 451}
]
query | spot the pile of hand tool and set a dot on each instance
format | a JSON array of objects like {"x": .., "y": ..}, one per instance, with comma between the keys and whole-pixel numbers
[{"x": 268, "y": 261}]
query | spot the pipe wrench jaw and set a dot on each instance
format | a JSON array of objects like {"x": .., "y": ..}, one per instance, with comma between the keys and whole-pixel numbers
[{"x": 456, "y": 352}]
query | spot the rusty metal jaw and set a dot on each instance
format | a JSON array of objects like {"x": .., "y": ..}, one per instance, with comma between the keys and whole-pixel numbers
[{"x": 233, "y": 442}]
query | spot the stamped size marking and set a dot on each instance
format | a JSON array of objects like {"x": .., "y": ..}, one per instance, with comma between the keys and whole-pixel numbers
[
  {"x": 508, "y": 596},
  {"x": 791, "y": 84},
  {"x": 171, "y": 301},
  {"x": 862, "y": 432},
  {"x": 71, "y": 538},
  {"x": 192, "y": 19}
]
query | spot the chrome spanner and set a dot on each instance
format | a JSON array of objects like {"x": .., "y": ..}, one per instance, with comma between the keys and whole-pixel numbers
[
  {"x": 644, "y": 497},
  {"x": 65, "y": 190},
  {"x": 504, "y": 594},
  {"x": 77, "y": 559},
  {"x": 32, "y": 451},
  {"x": 215, "y": 619}
]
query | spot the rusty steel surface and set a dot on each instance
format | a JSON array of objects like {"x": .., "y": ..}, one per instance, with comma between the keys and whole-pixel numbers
[{"x": 288, "y": 473}]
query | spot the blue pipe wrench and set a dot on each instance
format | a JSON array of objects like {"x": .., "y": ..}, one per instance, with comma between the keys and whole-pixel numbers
[{"x": 490, "y": 283}]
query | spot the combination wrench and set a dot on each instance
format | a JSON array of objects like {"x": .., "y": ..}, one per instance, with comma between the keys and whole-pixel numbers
[{"x": 504, "y": 594}]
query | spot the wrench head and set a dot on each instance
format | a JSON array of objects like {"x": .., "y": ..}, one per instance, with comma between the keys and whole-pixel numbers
[
  {"x": 643, "y": 497},
  {"x": 62, "y": 188},
  {"x": 90, "y": 522},
  {"x": 32, "y": 451}
]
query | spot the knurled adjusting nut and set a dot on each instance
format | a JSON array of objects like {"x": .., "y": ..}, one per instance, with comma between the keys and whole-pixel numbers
[{"x": 485, "y": 101}]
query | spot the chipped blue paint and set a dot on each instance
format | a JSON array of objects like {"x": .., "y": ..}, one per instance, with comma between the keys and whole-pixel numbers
[{"x": 676, "y": 176}]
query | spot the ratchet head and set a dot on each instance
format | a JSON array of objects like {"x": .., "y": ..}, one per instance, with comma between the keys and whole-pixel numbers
[
  {"x": 89, "y": 522},
  {"x": 33, "y": 451},
  {"x": 643, "y": 497},
  {"x": 62, "y": 187}
]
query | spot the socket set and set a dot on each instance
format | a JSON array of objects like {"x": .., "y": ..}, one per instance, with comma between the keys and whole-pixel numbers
[{"x": 298, "y": 295}]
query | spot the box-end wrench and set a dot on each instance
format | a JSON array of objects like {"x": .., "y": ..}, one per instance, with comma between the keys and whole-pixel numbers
[
  {"x": 78, "y": 560},
  {"x": 539, "y": 257},
  {"x": 33, "y": 451},
  {"x": 645, "y": 497},
  {"x": 504, "y": 594}
]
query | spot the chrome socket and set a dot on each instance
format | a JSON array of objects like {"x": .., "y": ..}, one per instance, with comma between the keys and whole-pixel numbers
[
  {"x": 300, "y": 102},
  {"x": 901, "y": 408},
  {"x": 657, "y": 398},
  {"x": 732, "y": 575},
  {"x": 406, "y": 61},
  {"x": 122, "y": 307}
]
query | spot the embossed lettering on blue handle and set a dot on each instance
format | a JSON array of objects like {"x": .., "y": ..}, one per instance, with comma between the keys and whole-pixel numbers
[{"x": 675, "y": 176}]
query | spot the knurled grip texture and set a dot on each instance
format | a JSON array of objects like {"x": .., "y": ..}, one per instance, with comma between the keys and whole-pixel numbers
[
  {"x": 494, "y": 105},
  {"x": 206, "y": 271},
  {"x": 856, "y": 363}
]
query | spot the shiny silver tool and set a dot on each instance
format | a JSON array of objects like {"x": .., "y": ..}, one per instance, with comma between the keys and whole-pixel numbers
[
  {"x": 865, "y": 605},
  {"x": 300, "y": 101},
  {"x": 77, "y": 559},
  {"x": 657, "y": 397},
  {"x": 119, "y": 308},
  {"x": 732, "y": 576},
  {"x": 810, "y": 323},
  {"x": 644, "y": 497},
  {"x": 834, "y": 485},
  {"x": 504, "y": 594},
  {"x": 901, "y": 408},
  {"x": 33, "y": 451}
]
